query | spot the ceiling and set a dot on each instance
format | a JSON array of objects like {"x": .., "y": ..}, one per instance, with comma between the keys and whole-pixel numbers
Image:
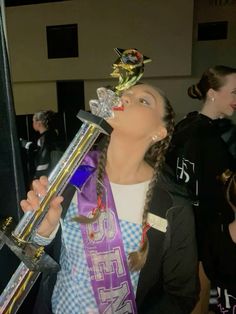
[{"x": 12, "y": 3}]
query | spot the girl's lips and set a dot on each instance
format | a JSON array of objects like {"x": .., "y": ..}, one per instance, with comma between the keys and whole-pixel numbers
[{"x": 118, "y": 108}]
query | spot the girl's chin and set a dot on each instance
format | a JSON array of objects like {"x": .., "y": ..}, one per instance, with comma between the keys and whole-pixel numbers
[
  {"x": 110, "y": 121},
  {"x": 229, "y": 113}
]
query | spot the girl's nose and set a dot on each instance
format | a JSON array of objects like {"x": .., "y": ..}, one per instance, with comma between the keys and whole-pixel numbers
[{"x": 125, "y": 100}]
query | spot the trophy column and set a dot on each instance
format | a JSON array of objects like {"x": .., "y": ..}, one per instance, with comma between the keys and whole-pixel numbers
[{"x": 34, "y": 259}]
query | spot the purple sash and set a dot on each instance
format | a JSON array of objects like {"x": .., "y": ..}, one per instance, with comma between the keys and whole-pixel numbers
[{"x": 104, "y": 250}]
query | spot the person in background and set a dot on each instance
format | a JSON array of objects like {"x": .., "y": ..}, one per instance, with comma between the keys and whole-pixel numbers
[
  {"x": 148, "y": 230},
  {"x": 44, "y": 154},
  {"x": 199, "y": 153}
]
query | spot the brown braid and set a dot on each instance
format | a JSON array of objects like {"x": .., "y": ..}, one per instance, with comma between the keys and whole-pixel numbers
[
  {"x": 100, "y": 174},
  {"x": 156, "y": 157},
  {"x": 101, "y": 167}
]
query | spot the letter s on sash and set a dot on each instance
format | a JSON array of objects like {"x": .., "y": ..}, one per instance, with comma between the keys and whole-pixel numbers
[{"x": 105, "y": 225}]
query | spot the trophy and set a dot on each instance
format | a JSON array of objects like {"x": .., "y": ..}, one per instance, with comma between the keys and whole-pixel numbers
[{"x": 128, "y": 68}]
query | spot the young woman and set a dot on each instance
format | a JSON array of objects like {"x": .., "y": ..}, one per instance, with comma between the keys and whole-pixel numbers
[
  {"x": 132, "y": 248},
  {"x": 199, "y": 155}
]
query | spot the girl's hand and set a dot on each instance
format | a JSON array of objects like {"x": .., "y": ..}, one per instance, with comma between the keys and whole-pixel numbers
[{"x": 51, "y": 220}]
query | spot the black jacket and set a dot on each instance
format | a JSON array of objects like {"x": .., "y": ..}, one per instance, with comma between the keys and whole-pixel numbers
[
  {"x": 48, "y": 144},
  {"x": 199, "y": 155},
  {"x": 169, "y": 280}
]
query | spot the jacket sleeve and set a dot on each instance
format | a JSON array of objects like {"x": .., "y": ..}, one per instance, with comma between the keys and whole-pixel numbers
[{"x": 180, "y": 265}]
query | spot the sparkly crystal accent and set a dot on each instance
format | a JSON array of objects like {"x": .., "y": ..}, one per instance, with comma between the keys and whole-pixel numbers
[{"x": 107, "y": 99}]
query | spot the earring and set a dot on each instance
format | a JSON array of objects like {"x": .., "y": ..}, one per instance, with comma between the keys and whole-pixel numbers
[
  {"x": 154, "y": 138},
  {"x": 212, "y": 99}
]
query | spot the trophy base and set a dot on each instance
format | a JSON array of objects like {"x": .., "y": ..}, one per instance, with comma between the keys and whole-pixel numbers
[{"x": 31, "y": 254}]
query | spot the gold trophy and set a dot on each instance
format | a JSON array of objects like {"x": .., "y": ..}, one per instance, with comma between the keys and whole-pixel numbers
[{"x": 128, "y": 68}]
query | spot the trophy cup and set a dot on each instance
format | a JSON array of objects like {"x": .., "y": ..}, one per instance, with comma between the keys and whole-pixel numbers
[{"x": 128, "y": 68}]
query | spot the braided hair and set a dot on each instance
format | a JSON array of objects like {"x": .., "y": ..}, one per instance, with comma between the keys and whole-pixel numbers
[
  {"x": 99, "y": 186},
  {"x": 156, "y": 157}
]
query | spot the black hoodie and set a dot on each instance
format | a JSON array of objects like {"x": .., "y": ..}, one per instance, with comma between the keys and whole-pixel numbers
[{"x": 199, "y": 155}]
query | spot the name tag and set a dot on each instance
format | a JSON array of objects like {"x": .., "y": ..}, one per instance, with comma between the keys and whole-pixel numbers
[{"x": 157, "y": 222}]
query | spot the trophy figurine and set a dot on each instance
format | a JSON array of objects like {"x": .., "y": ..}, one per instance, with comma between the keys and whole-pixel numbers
[{"x": 128, "y": 68}]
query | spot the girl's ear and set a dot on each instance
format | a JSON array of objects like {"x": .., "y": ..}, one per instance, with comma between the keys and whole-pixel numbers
[
  {"x": 159, "y": 135},
  {"x": 211, "y": 94}
]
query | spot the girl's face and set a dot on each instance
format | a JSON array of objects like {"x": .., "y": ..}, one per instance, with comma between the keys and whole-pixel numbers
[
  {"x": 225, "y": 97},
  {"x": 35, "y": 124},
  {"x": 142, "y": 117}
]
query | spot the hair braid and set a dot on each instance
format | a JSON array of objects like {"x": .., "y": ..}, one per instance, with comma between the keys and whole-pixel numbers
[
  {"x": 156, "y": 157},
  {"x": 99, "y": 186},
  {"x": 101, "y": 167}
]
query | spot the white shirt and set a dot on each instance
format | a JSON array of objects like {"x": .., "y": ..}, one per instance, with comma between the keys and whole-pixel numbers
[{"x": 130, "y": 200}]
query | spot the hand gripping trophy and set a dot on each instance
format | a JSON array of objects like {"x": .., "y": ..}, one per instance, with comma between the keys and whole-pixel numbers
[{"x": 128, "y": 68}]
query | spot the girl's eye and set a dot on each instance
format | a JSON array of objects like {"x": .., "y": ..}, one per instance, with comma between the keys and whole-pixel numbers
[{"x": 144, "y": 102}]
